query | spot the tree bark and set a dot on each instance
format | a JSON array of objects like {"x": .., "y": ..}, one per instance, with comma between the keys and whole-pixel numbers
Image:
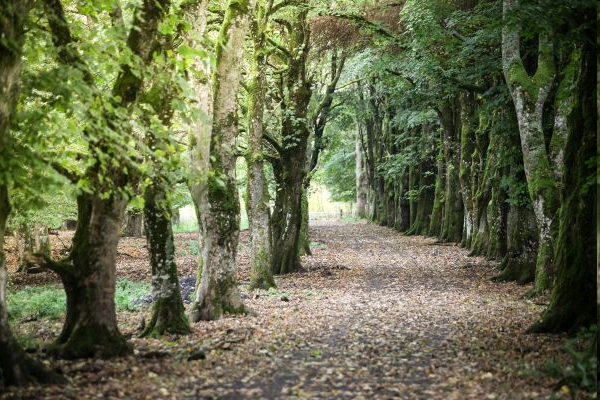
[
  {"x": 31, "y": 239},
  {"x": 90, "y": 327},
  {"x": 453, "y": 217},
  {"x": 257, "y": 187},
  {"x": 572, "y": 303},
  {"x": 529, "y": 95},
  {"x": 133, "y": 225},
  {"x": 290, "y": 167},
  {"x": 168, "y": 313},
  {"x": 16, "y": 368},
  {"x": 361, "y": 181},
  {"x": 217, "y": 292}
]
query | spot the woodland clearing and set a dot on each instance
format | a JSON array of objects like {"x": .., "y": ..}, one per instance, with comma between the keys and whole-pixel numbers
[{"x": 376, "y": 315}]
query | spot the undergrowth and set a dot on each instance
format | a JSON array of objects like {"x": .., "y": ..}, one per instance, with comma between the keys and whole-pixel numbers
[
  {"x": 581, "y": 372},
  {"x": 48, "y": 302}
]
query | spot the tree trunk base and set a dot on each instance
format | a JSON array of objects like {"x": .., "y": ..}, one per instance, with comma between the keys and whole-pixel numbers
[
  {"x": 168, "y": 316},
  {"x": 18, "y": 369},
  {"x": 92, "y": 341},
  {"x": 516, "y": 270}
]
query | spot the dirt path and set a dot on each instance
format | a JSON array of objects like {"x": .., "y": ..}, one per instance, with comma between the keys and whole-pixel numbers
[{"x": 378, "y": 315}]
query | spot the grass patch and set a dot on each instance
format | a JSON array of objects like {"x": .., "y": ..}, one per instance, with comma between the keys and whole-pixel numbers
[
  {"x": 186, "y": 227},
  {"x": 129, "y": 294},
  {"x": 39, "y": 302},
  {"x": 48, "y": 302},
  {"x": 318, "y": 246}
]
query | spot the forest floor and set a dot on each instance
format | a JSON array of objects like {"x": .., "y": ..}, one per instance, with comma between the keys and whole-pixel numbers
[{"x": 377, "y": 315}]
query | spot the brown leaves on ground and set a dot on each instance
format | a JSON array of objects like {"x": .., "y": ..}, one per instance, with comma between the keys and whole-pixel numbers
[{"x": 378, "y": 315}]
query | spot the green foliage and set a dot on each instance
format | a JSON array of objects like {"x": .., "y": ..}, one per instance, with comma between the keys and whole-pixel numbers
[{"x": 337, "y": 162}]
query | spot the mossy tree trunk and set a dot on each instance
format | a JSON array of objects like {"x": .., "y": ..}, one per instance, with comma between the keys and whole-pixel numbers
[
  {"x": 468, "y": 172},
  {"x": 425, "y": 183},
  {"x": 290, "y": 166},
  {"x": 573, "y": 302},
  {"x": 168, "y": 312},
  {"x": 16, "y": 368},
  {"x": 217, "y": 291},
  {"x": 90, "y": 327},
  {"x": 257, "y": 187},
  {"x": 200, "y": 131},
  {"x": 439, "y": 200},
  {"x": 520, "y": 223},
  {"x": 453, "y": 217},
  {"x": 529, "y": 94},
  {"x": 403, "y": 213}
]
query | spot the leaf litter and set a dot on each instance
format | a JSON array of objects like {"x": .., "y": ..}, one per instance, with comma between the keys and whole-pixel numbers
[{"x": 376, "y": 315}]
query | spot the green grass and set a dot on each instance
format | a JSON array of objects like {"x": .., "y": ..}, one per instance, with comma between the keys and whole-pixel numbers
[
  {"x": 318, "y": 246},
  {"x": 192, "y": 226},
  {"x": 48, "y": 302},
  {"x": 185, "y": 227},
  {"x": 42, "y": 302}
]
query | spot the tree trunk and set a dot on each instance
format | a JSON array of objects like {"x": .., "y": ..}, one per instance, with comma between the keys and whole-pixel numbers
[
  {"x": 290, "y": 168},
  {"x": 572, "y": 303},
  {"x": 217, "y": 292},
  {"x": 519, "y": 262},
  {"x": 257, "y": 187},
  {"x": 403, "y": 213},
  {"x": 437, "y": 213},
  {"x": 90, "y": 327},
  {"x": 287, "y": 217},
  {"x": 168, "y": 313},
  {"x": 467, "y": 172},
  {"x": 133, "y": 225},
  {"x": 16, "y": 368},
  {"x": 529, "y": 95},
  {"x": 200, "y": 132},
  {"x": 453, "y": 218},
  {"x": 31, "y": 239},
  {"x": 361, "y": 179}
]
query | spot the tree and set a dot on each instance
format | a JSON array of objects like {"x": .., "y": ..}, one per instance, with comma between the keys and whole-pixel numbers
[
  {"x": 216, "y": 198},
  {"x": 529, "y": 95},
  {"x": 16, "y": 368},
  {"x": 257, "y": 187},
  {"x": 168, "y": 312},
  {"x": 88, "y": 274},
  {"x": 572, "y": 303},
  {"x": 289, "y": 165}
]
